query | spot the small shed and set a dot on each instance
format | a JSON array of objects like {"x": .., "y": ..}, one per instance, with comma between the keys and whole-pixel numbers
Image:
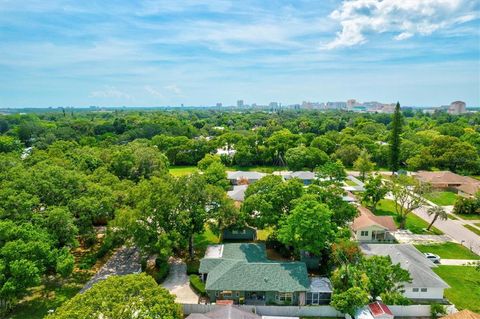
[{"x": 245, "y": 233}]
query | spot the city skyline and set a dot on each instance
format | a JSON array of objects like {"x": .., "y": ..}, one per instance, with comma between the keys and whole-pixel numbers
[{"x": 155, "y": 53}]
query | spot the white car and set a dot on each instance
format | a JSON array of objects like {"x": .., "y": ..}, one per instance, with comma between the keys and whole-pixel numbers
[{"x": 433, "y": 258}]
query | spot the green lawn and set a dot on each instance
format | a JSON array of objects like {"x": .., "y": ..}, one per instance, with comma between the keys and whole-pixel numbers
[
  {"x": 262, "y": 234},
  {"x": 442, "y": 198},
  {"x": 469, "y": 216},
  {"x": 475, "y": 230},
  {"x": 182, "y": 170},
  {"x": 201, "y": 241},
  {"x": 415, "y": 224},
  {"x": 42, "y": 299},
  {"x": 451, "y": 216},
  {"x": 448, "y": 251},
  {"x": 465, "y": 286},
  {"x": 350, "y": 183}
]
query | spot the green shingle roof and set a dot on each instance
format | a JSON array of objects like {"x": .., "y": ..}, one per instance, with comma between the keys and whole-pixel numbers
[
  {"x": 270, "y": 276},
  {"x": 245, "y": 267}
]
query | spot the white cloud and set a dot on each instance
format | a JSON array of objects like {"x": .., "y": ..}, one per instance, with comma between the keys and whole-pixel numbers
[
  {"x": 358, "y": 18},
  {"x": 110, "y": 92},
  {"x": 154, "y": 92},
  {"x": 174, "y": 89}
]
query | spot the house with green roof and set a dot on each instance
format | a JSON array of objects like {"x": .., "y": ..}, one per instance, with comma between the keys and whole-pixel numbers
[{"x": 242, "y": 272}]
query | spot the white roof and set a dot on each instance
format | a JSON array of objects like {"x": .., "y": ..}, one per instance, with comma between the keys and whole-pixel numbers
[
  {"x": 214, "y": 251},
  {"x": 238, "y": 192}
]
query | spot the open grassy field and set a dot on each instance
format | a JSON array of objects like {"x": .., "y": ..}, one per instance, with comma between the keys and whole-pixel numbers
[
  {"x": 473, "y": 229},
  {"x": 465, "y": 286},
  {"x": 415, "y": 224},
  {"x": 448, "y": 251},
  {"x": 182, "y": 170},
  {"x": 442, "y": 198}
]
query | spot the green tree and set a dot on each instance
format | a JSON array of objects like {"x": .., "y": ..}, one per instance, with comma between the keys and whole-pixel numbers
[
  {"x": 350, "y": 300},
  {"x": 375, "y": 190},
  {"x": 60, "y": 224},
  {"x": 436, "y": 212},
  {"x": 208, "y": 160},
  {"x": 121, "y": 297},
  {"x": 333, "y": 171},
  {"x": 308, "y": 227},
  {"x": 215, "y": 174},
  {"x": 397, "y": 123},
  {"x": 301, "y": 157},
  {"x": 348, "y": 154},
  {"x": 384, "y": 277},
  {"x": 407, "y": 193},
  {"x": 363, "y": 164}
]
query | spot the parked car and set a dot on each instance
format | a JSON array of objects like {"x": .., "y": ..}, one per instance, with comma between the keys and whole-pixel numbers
[{"x": 434, "y": 258}]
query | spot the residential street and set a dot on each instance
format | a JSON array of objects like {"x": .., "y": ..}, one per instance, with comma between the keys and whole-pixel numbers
[
  {"x": 178, "y": 284},
  {"x": 454, "y": 229}
]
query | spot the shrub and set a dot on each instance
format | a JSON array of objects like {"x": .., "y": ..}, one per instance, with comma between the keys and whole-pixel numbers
[
  {"x": 437, "y": 310},
  {"x": 197, "y": 284},
  {"x": 192, "y": 267}
]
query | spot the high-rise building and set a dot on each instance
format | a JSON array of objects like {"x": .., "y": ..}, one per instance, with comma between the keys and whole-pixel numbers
[
  {"x": 457, "y": 107},
  {"x": 219, "y": 104},
  {"x": 240, "y": 103}
]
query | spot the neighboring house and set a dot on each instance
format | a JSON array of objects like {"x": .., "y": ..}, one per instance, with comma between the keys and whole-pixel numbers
[
  {"x": 306, "y": 177},
  {"x": 238, "y": 193},
  {"x": 370, "y": 228},
  {"x": 244, "y": 274},
  {"x": 245, "y": 233},
  {"x": 375, "y": 310},
  {"x": 241, "y": 177},
  {"x": 464, "y": 185},
  {"x": 426, "y": 285},
  {"x": 225, "y": 312}
]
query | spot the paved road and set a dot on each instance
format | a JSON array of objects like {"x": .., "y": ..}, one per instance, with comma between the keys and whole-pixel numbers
[
  {"x": 454, "y": 229},
  {"x": 177, "y": 282},
  {"x": 458, "y": 262}
]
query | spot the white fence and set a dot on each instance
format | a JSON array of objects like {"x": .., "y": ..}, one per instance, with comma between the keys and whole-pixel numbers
[{"x": 308, "y": 311}]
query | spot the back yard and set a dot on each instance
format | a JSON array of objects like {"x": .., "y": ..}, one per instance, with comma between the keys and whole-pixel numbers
[{"x": 465, "y": 286}]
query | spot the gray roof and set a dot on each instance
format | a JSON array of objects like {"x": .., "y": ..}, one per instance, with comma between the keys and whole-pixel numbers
[
  {"x": 225, "y": 312},
  {"x": 238, "y": 192},
  {"x": 320, "y": 284},
  {"x": 419, "y": 267},
  {"x": 304, "y": 175},
  {"x": 244, "y": 175}
]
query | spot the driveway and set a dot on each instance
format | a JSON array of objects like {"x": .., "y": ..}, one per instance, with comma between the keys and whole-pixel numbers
[
  {"x": 406, "y": 237},
  {"x": 177, "y": 282}
]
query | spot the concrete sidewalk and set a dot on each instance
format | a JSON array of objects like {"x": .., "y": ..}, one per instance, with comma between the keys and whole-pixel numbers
[{"x": 458, "y": 262}]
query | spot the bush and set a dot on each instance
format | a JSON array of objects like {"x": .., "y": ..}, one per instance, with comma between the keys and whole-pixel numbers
[
  {"x": 197, "y": 284},
  {"x": 192, "y": 267},
  {"x": 467, "y": 206},
  {"x": 437, "y": 310}
]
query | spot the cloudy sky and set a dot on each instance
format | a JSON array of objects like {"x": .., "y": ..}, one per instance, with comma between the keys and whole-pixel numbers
[{"x": 199, "y": 52}]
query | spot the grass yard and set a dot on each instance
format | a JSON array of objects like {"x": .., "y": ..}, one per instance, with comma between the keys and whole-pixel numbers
[
  {"x": 262, "y": 234},
  {"x": 201, "y": 241},
  {"x": 262, "y": 169},
  {"x": 448, "y": 251},
  {"x": 442, "y": 198},
  {"x": 473, "y": 229},
  {"x": 453, "y": 217},
  {"x": 42, "y": 298},
  {"x": 468, "y": 216},
  {"x": 415, "y": 224},
  {"x": 182, "y": 170},
  {"x": 350, "y": 183},
  {"x": 465, "y": 286}
]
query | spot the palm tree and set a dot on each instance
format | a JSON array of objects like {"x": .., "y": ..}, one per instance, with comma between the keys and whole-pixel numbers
[{"x": 436, "y": 211}]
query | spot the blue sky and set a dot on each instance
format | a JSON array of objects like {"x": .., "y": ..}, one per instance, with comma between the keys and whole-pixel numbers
[{"x": 152, "y": 52}]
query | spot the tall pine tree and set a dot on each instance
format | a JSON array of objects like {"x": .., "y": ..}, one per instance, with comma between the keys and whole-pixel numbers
[{"x": 395, "y": 139}]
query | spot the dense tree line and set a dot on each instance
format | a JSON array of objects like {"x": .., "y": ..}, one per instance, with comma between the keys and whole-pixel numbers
[{"x": 298, "y": 139}]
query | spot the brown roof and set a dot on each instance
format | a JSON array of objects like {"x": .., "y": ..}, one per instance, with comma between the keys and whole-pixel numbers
[
  {"x": 464, "y": 314},
  {"x": 367, "y": 218},
  {"x": 444, "y": 177},
  {"x": 470, "y": 188}
]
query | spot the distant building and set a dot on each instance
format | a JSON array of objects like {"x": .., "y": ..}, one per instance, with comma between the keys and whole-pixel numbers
[
  {"x": 219, "y": 104},
  {"x": 457, "y": 107},
  {"x": 352, "y": 103},
  {"x": 240, "y": 103},
  {"x": 273, "y": 105},
  {"x": 336, "y": 105}
]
